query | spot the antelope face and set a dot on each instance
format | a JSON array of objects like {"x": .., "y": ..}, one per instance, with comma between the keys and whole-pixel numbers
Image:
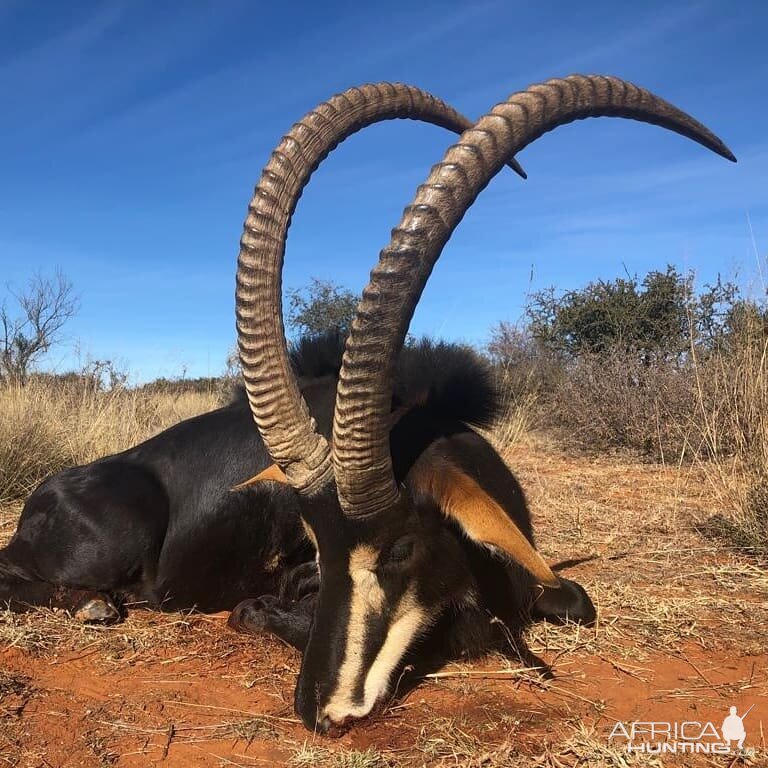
[
  {"x": 383, "y": 583},
  {"x": 386, "y": 579},
  {"x": 385, "y": 572}
]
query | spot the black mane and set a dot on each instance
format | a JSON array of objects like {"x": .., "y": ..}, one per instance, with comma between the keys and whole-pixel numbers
[
  {"x": 450, "y": 380},
  {"x": 438, "y": 382}
]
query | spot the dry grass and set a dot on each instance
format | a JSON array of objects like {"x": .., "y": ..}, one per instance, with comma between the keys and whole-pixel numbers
[
  {"x": 734, "y": 421},
  {"x": 658, "y": 585},
  {"x": 515, "y": 421},
  {"x": 520, "y": 407},
  {"x": 49, "y": 425},
  {"x": 455, "y": 741},
  {"x": 665, "y": 595},
  {"x": 587, "y": 747},
  {"x": 709, "y": 409},
  {"x": 44, "y": 631}
]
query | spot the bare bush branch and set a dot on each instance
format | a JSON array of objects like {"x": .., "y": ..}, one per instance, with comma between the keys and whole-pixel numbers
[{"x": 42, "y": 310}]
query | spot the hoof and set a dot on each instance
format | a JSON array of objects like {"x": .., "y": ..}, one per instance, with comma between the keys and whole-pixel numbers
[
  {"x": 300, "y": 582},
  {"x": 250, "y": 616},
  {"x": 97, "y": 610},
  {"x": 570, "y": 603}
]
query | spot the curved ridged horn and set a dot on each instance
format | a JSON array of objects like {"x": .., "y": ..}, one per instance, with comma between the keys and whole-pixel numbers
[
  {"x": 277, "y": 405},
  {"x": 362, "y": 462}
]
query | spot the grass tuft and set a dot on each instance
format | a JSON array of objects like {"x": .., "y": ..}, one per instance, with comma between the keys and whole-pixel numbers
[
  {"x": 48, "y": 425},
  {"x": 308, "y": 755}
]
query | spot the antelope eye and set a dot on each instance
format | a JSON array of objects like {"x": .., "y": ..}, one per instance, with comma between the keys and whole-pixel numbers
[{"x": 401, "y": 551}]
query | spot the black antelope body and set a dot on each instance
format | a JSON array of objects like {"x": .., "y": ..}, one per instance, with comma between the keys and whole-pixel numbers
[
  {"x": 158, "y": 522},
  {"x": 423, "y": 543},
  {"x": 397, "y": 549}
]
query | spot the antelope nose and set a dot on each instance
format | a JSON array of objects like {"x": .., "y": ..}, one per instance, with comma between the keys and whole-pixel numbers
[{"x": 324, "y": 725}]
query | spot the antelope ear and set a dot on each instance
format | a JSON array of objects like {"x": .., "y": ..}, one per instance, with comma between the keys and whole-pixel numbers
[
  {"x": 272, "y": 472},
  {"x": 481, "y": 517}
]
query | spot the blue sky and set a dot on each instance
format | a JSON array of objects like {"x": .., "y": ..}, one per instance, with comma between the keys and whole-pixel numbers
[{"x": 132, "y": 135}]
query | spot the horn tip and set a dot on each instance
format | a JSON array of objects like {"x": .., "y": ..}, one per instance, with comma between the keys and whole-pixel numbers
[
  {"x": 719, "y": 147},
  {"x": 517, "y": 168}
]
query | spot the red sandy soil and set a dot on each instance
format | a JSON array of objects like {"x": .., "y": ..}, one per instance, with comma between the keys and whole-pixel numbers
[
  {"x": 682, "y": 636},
  {"x": 75, "y": 713}
]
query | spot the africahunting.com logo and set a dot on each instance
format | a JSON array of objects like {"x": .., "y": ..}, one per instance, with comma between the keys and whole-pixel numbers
[{"x": 687, "y": 737}]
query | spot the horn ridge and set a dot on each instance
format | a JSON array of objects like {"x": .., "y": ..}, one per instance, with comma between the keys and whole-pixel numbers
[
  {"x": 278, "y": 408},
  {"x": 362, "y": 464}
]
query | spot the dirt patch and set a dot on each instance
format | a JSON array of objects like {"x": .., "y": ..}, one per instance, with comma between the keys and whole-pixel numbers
[{"x": 683, "y": 635}]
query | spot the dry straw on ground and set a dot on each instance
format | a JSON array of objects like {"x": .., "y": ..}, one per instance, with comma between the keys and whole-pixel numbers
[
  {"x": 682, "y": 617},
  {"x": 682, "y": 624}
]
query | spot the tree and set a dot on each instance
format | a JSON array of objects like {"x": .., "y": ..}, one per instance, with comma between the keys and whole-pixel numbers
[
  {"x": 42, "y": 310},
  {"x": 657, "y": 318},
  {"x": 320, "y": 307},
  {"x": 510, "y": 345}
]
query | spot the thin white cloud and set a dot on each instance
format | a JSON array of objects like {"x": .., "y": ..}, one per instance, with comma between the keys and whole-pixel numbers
[
  {"x": 52, "y": 52},
  {"x": 596, "y": 52}
]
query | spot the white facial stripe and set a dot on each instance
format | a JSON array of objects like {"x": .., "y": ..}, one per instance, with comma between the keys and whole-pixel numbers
[
  {"x": 399, "y": 637},
  {"x": 368, "y": 599}
]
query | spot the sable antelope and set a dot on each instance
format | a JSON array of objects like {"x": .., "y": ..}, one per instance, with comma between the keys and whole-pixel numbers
[
  {"x": 416, "y": 576},
  {"x": 158, "y": 523},
  {"x": 409, "y": 551}
]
